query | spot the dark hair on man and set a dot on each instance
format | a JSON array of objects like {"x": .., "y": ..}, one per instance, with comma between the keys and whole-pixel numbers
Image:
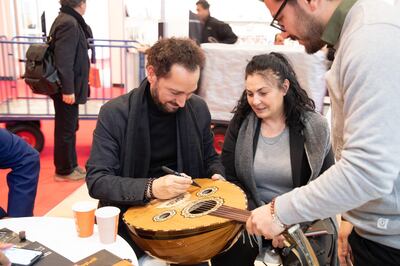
[
  {"x": 204, "y": 4},
  {"x": 167, "y": 52},
  {"x": 71, "y": 3},
  {"x": 296, "y": 100}
]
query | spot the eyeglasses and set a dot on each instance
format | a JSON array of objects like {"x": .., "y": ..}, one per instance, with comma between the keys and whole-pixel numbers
[{"x": 275, "y": 22}]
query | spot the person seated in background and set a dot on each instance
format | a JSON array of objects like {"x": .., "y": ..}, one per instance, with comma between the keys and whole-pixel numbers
[
  {"x": 275, "y": 142},
  {"x": 24, "y": 162},
  {"x": 160, "y": 123},
  {"x": 214, "y": 30},
  {"x": 279, "y": 39}
]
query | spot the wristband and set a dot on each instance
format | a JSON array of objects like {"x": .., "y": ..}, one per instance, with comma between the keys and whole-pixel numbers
[{"x": 149, "y": 189}]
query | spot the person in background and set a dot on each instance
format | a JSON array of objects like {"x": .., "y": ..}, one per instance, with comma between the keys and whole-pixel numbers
[
  {"x": 279, "y": 39},
  {"x": 275, "y": 142},
  {"x": 214, "y": 30},
  {"x": 22, "y": 180},
  {"x": 160, "y": 123},
  {"x": 195, "y": 27},
  {"x": 70, "y": 35},
  {"x": 364, "y": 183}
]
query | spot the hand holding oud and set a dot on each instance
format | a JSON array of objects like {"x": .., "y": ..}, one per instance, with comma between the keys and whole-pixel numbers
[
  {"x": 261, "y": 222},
  {"x": 170, "y": 186}
]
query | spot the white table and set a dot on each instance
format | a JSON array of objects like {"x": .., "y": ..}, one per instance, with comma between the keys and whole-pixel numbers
[
  {"x": 59, "y": 234},
  {"x": 222, "y": 78}
]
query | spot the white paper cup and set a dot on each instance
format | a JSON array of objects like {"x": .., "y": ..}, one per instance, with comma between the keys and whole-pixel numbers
[
  {"x": 107, "y": 223},
  {"x": 84, "y": 217}
]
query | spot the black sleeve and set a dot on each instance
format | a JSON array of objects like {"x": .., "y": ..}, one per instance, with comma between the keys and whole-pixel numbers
[
  {"x": 104, "y": 165},
  {"x": 212, "y": 160},
  {"x": 228, "y": 150},
  {"x": 66, "y": 38},
  {"x": 225, "y": 33}
]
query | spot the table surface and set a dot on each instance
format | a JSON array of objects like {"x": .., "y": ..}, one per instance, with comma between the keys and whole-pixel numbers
[{"x": 59, "y": 234}]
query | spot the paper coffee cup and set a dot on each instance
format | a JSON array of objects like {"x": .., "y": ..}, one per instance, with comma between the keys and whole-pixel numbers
[
  {"x": 107, "y": 223},
  {"x": 84, "y": 217}
]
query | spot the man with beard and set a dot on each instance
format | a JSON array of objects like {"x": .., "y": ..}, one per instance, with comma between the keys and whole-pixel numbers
[
  {"x": 160, "y": 123},
  {"x": 364, "y": 184}
]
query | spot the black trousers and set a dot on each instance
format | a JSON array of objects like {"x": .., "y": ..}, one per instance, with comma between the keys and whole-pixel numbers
[
  {"x": 66, "y": 125},
  {"x": 370, "y": 253},
  {"x": 243, "y": 253}
]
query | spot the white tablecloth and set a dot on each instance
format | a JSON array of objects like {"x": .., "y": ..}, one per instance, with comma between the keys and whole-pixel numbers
[
  {"x": 59, "y": 234},
  {"x": 222, "y": 79}
]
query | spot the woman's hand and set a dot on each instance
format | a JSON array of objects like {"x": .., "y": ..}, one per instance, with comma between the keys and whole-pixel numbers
[{"x": 217, "y": 177}]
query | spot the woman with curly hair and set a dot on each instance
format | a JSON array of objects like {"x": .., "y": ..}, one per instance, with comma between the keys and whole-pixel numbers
[{"x": 274, "y": 143}]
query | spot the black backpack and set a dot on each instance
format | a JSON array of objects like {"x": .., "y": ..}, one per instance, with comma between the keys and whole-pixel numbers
[{"x": 40, "y": 72}]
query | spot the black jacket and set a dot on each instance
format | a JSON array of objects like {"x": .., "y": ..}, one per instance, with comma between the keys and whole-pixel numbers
[
  {"x": 218, "y": 30},
  {"x": 119, "y": 161},
  {"x": 118, "y": 167},
  {"x": 71, "y": 56}
]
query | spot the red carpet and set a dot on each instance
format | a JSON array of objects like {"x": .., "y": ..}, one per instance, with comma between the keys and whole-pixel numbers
[{"x": 50, "y": 192}]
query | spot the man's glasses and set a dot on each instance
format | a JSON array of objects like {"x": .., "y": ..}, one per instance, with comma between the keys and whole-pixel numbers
[{"x": 275, "y": 22}]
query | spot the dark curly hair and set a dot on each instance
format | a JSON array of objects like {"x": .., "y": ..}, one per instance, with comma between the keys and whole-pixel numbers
[
  {"x": 167, "y": 52},
  {"x": 296, "y": 100}
]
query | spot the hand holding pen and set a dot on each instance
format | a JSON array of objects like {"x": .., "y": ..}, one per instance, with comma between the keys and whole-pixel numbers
[
  {"x": 172, "y": 172},
  {"x": 171, "y": 185}
]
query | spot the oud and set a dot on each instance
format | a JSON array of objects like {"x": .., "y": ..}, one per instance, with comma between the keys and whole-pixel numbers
[{"x": 199, "y": 224}]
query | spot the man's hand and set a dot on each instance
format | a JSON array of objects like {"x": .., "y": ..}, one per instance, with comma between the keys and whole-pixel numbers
[
  {"x": 170, "y": 186},
  {"x": 278, "y": 241},
  {"x": 217, "y": 177},
  {"x": 344, "y": 249},
  {"x": 260, "y": 223},
  {"x": 68, "y": 98}
]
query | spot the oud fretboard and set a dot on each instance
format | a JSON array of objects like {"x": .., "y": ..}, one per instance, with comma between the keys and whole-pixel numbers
[{"x": 232, "y": 213}]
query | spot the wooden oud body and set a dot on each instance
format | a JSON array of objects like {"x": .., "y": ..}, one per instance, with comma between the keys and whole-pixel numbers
[{"x": 180, "y": 230}]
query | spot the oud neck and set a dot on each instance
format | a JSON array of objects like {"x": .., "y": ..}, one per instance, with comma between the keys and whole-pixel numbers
[{"x": 232, "y": 213}]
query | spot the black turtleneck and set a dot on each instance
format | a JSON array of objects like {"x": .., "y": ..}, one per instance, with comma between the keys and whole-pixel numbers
[{"x": 162, "y": 138}]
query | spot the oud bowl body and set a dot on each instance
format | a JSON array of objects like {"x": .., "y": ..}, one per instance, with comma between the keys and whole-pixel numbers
[{"x": 183, "y": 230}]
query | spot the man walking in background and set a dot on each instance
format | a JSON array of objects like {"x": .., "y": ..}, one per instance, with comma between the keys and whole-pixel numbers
[{"x": 214, "y": 30}]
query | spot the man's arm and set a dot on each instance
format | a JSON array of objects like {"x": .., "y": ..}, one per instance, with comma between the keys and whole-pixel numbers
[
  {"x": 22, "y": 181},
  {"x": 104, "y": 165},
  {"x": 225, "y": 33},
  {"x": 368, "y": 167},
  {"x": 65, "y": 48}
]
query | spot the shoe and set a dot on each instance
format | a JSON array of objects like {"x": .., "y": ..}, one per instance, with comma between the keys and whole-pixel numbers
[
  {"x": 80, "y": 170},
  {"x": 76, "y": 175}
]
